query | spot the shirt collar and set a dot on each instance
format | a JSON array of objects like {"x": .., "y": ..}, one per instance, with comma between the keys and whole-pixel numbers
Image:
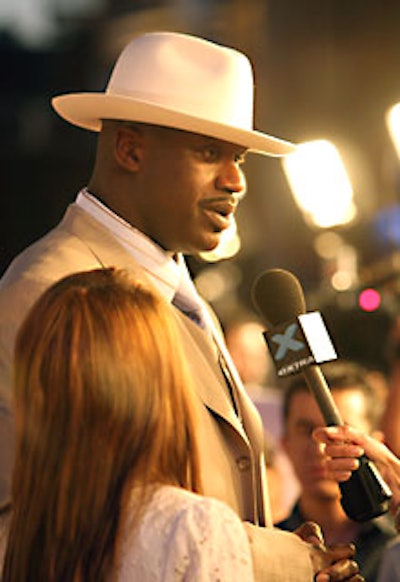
[{"x": 166, "y": 272}]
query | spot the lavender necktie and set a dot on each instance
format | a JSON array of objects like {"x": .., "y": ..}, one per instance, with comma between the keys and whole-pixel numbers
[{"x": 190, "y": 305}]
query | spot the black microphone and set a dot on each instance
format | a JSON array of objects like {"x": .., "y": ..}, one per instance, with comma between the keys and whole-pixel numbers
[{"x": 295, "y": 348}]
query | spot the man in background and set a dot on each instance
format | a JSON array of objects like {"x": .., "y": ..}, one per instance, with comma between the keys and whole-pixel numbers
[{"x": 319, "y": 499}]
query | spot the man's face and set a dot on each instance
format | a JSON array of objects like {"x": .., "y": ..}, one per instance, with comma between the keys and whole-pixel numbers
[
  {"x": 190, "y": 188},
  {"x": 305, "y": 454}
]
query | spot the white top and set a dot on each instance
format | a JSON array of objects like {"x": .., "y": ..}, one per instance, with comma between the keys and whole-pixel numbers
[
  {"x": 186, "y": 537},
  {"x": 182, "y": 537}
]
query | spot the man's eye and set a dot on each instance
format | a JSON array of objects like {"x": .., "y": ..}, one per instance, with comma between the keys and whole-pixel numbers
[
  {"x": 304, "y": 430},
  {"x": 210, "y": 154}
]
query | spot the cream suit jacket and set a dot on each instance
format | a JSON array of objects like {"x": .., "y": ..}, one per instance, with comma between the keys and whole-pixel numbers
[{"x": 231, "y": 451}]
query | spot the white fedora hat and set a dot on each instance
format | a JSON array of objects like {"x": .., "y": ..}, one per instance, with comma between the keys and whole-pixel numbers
[{"x": 179, "y": 81}]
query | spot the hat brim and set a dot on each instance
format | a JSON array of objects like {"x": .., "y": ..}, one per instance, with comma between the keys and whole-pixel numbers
[{"x": 87, "y": 110}]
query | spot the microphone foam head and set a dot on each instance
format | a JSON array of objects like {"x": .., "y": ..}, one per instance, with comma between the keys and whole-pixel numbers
[{"x": 278, "y": 296}]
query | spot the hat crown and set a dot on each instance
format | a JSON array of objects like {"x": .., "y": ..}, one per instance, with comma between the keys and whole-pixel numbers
[
  {"x": 186, "y": 74},
  {"x": 179, "y": 81}
]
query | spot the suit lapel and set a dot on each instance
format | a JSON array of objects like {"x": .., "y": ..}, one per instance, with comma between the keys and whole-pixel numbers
[
  {"x": 107, "y": 250},
  {"x": 198, "y": 345},
  {"x": 209, "y": 381}
]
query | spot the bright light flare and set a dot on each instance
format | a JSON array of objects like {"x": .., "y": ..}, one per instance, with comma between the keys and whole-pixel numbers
[
  {"x": 393, "y": 125},
  {"x": 228, "y": 246},
  {"x": 320, "y": 184}
]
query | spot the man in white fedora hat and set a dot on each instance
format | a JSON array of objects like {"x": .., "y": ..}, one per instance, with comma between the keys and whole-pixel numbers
[{"x": 174, "y": 123}]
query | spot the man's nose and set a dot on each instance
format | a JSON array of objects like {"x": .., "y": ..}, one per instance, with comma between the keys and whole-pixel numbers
[{"x": 231, "y": 179}]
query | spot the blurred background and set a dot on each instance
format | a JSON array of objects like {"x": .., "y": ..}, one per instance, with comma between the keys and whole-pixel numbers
[{"x": 327, "y": 73}]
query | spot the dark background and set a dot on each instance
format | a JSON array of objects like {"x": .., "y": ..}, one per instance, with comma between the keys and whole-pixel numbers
[{"x": 324, "y": 69}]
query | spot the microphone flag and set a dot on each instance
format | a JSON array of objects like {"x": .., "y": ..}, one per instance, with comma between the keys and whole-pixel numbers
[{"x": 297, "y": 344}]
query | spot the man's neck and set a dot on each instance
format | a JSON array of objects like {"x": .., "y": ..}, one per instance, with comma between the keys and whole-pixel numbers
[{"x": 328, "y": 513}]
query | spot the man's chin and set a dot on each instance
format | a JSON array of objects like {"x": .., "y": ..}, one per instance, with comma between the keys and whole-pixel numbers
[
  {"x": 211, "y": 245},
  {"x": 205, "y": 246},
  {"x": 220, "y": 247},
  {"x": 327, "y": 490}
]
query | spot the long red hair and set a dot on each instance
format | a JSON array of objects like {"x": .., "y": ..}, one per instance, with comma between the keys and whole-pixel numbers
[{"x": 102, "y": 404}]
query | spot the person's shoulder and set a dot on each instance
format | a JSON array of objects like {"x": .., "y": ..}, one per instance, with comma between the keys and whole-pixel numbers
[
  {"x": 196, "y": 513},
  {"x": 389, "y": 570},
  {"x": 393, "y": 546},
  {"x": 190, "y": 502},
  {"x": 211, "y": 507},
  {"x": 34, "y": 260},
  {"x": 381, "y": 527},
  {"x": 60, "y": 251},
  {"x": 211, "y": 538},
  {"x": 185, "y": 536}
]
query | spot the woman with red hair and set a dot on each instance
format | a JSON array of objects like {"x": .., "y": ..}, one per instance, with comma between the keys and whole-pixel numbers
[{"x": 98, "y": 367}]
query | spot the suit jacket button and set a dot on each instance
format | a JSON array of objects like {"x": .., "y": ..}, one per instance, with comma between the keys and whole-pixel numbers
[{"x": 243, "y": 463}]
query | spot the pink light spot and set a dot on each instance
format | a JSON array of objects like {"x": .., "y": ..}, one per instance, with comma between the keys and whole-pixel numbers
[{"x": 369, "y": 300}]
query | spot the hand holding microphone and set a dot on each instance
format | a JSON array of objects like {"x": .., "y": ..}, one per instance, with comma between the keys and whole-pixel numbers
[
  {"x": 345, "y": 444},
  {"x": 298, "y": 342}
]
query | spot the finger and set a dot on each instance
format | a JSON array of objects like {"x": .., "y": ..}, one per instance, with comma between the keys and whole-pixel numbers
[
  {"x": 342, "y": 464},
  {"x": 327, "y": 434},
  {"x": 339, "y": 476},
  {"x": 322, "y": 577},
  {"x": 343, "y": 450},
  {"x": 343, "y": 433},
  {"x": 341, "y": 552},
  {"x": 311, "y": 532},
  {"x": 338, "y": 466},
  {"x": 342, "y": 570},
  {"x": 356, "y": 578}
]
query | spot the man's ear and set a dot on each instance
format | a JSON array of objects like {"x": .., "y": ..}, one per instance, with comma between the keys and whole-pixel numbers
[{"x": 128, "y": 148}]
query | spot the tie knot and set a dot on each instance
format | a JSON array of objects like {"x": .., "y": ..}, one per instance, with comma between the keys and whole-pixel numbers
[{"x": 190, "y": 304}]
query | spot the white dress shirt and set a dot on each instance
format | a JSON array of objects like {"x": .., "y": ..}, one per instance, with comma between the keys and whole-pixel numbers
[{"x": 169, "y": 273}]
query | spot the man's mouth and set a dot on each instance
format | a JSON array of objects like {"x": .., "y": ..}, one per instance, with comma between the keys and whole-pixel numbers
[{"x": 220, "y": 212}]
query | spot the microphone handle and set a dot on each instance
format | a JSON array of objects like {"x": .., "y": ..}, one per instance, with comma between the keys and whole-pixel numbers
[
  {"x": 319, "y": 388},
  {"x": 365, "y": 495}
]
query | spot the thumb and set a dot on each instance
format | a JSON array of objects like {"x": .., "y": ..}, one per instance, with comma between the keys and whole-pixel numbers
[
  {"x": 311, "y": 532},
  {"x": 341, "y": 551}
]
